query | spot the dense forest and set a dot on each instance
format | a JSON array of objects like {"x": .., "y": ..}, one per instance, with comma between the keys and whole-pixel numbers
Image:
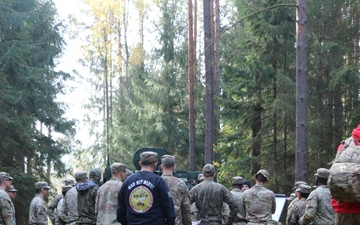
[{"x": 137, "y": 56}]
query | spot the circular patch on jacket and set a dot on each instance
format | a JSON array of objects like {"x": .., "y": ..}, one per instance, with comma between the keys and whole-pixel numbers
[{"x": 141, "y": 199}]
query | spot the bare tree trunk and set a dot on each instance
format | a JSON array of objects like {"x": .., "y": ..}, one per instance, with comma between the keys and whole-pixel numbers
[
  {"x": 208, "y": 83},
  {"x": 191, "y": 79},
  {"x": 301, "y": 88}
]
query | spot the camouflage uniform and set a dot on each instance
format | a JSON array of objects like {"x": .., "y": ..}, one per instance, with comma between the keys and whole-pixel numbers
[
  {"x": 296, "y": 212},
  {"x": 52, "y": 206},
  {"x": 69, "y": 207},
  {"x": 106, "y": 202},
  {"x": 37, "y": 212},
  {"x": 318, "y": 208},
  {"x": 58, "y": 211},
  {"x": 240, "y": 218},
  {"x": 258, "y": 204},
  {"x": 181, "y": 199},
  {"x": 7, "y": 215},
  {"x": 209, "y": 197},
  {"x": 86, "y": 202}
]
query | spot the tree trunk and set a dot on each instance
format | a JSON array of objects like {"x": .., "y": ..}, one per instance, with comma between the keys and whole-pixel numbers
[
  {"x": 208, "y": 83},
  {"x": 191, "y": 79},
  {"x": 301, "y": 89}
]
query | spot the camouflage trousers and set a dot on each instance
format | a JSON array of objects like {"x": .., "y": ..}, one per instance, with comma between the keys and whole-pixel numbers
[
  {"x": 347, "y": 219},
  {"x": 265, "y": 223},
  {"x": 239, "y": 223}
]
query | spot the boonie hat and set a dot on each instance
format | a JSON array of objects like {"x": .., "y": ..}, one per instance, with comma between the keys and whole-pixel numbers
[
  {"x": 117, "y": 168},
  {"x": 42, "y": 185},
  {"x": 208, "y": 170},
  {"x": 12, "y": 189},
  {"x": 322, "y": 173},
  {"x": 265, "y": 173},
  {"x": 304, "y": 188},
  {"x": 148, "y": 157},
  {"x": 237, "y": 180},
  {"x": 168, "y": 160},
  {"x": 80, "y": 175}
]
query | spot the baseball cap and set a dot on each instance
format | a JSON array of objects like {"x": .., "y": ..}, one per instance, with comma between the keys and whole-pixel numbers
[
  {"x": 265, "y": 173},
  {"x": 237, "y": 180},
  {"x": 117, "y": 168},
  {"x": 297, "y": 184},
  {"x": 168, "y": 160}
]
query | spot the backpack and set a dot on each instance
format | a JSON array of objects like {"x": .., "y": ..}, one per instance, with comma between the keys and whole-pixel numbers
[{"x": 344, "y": 177}]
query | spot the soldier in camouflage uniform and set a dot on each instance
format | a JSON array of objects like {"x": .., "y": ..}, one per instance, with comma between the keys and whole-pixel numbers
[
  {"x": 12, "y": 193},
  {"x": 237, "y": 183},
  {"x": 294, "y": 197},
  {"x": 37, "y": 211},
  {"x": 178, "y": 189},
  {"x": 59, "y": 208},
  {"x": 54, "y": 202},
  {"x": 259, "y": 202},
  {"x": 318, "y": 209},
  {"x": 107, "y": 197},
  {"x": 87, "y": 191},
  {"x": 209, "y": 197},
  {"x": 298, "y": 208},
  {"x": 69, "y": 208},
  {"x": 7, "y": 210}
]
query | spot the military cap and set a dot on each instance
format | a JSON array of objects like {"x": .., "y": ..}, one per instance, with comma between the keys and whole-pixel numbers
[
  {"x": 168, "y": 160},
  {"x": 117, "y": 168},
  {"x": 80, "y": 175},
  {"x": 200, "y": 177},
  {"x": 291, "y": 197},
  {"x": 148, "y": 157},
  {"x": 69, "y": 182},
  {"x": 297, "y": 184},
  {"x": 304, "y": 188},
  {"x": 128, "y": 172},
  {"x": 42, "y": 185},
  {"x": 237, "y": 180},
  {"x": 66, "y": 187},
  {"x": 12, "y": 189},
  {"x": 5, "y": 175},
  {"x": 322, "y": 173},
  {"x": 208, "y": 170},
  {"x": 265, "y": 173},
  {"x": 95, "y": 172}
]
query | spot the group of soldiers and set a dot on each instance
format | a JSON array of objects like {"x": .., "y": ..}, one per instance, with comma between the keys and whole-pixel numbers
[{"x": 146, "y": 198}]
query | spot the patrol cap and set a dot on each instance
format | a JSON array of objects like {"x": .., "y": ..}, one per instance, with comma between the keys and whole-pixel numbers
[
  {"x": 42, "y": 185},
  {"x": 322, "y": 173},
  {"x": 148, "y": 157},
  {"x": 95, "y": 172},
  {"x": 80, "y": 175},
  {"x": 69, "y": 182},
  {"x": 304, "y": 188},
  {"x": 208, "y": 170},
  {"x": 128, "y": 172},
  {"x": 168, "y": 160},
  {"x": 117, "y": 168},
  {"x": 5, "y": 175},
  {"x": 12, "y": 189},
  {"x": 297, "y": 184},
  {"x": 265, "y": 173},
  {"x": 237, "y": 180}
]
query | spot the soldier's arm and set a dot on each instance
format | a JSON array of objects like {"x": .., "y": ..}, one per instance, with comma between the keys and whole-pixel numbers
[
  {"x": 50, "y": 209},
  {"x": 292, "y": 217},
  {"x": 185, "y": 206},
  {"x": 63, "y": 212},
  {"x": 41, "y": 215},
  {"x": 310, "y": 210},
  {"x": 97, "y": 204},
  {"x": 168, "y": 205},
  {"x": 7, "y": 211},
  {"x": 273, "y": 204},
  {"x": 242, "y": 204},
  {"x": 60, "y": 211}
]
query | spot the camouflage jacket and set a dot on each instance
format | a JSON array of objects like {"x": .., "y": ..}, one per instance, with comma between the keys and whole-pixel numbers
[
  {"x": 7, "y": 215},
  {"x": 290, "y": 208},
  {"x": 58, "y": 211},
  {"x": 69, "y": 207},
  {"x": 318, "y": 209},
  {"x": 86, "y": 202},
  {"x": 181, "y": 199},
  {"x": 106, "y": 202},
  {"x": 52, "y": 206},
  {"x": 37, "y": 212},
  {"x": 237, "y": 193},
  {"x": 296, "y": 211},
  {"x": 209, "y": 197},
  {"x": 258, "y": 204}
]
